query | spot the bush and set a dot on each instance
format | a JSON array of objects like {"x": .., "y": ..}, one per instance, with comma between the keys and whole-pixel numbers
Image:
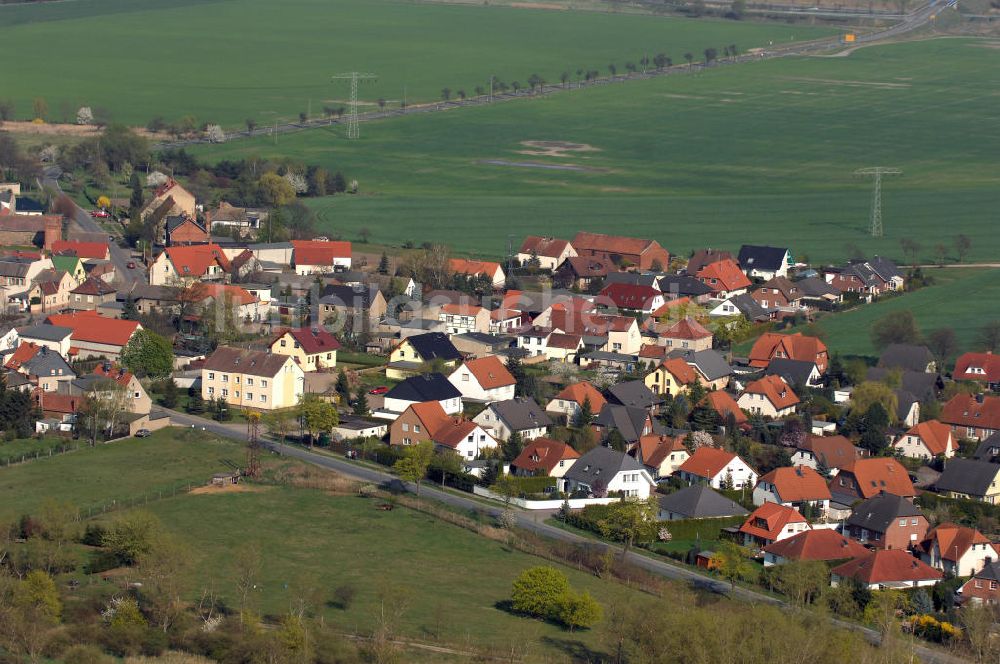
[
  {"x": 101, "y": 561},
  {"x": 93, "y": 535},
  {"x": 537, "y": 591},
  {"x": 343, "y": 596},
  {"x": 578, "y": 610}
]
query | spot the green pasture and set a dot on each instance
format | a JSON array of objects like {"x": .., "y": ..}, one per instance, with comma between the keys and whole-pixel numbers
[
  {"x": 224, "y": 61},
  {"x": 762, "y": 152}
]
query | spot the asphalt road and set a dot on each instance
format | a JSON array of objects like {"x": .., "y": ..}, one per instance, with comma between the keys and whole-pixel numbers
[
  {"x": 125, "y": 277},
  {"x": 533, "y": 523}
]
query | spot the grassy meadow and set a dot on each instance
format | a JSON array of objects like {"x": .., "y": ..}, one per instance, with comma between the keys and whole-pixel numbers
[
  {"x": 762, "y": 152},
  {"x": 224, "y": 61}
]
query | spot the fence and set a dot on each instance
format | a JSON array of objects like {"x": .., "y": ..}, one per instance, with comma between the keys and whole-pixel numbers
[
  {"x": 115, "y": 504},
  {"x": 574, "y": 503}
]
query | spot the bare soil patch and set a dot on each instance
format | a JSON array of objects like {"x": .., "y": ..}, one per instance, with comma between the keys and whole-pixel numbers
[
  {"x": 65, "y": 129},
  {"x": 557, "y": 149},
  {"x": 212, "y": 489}
]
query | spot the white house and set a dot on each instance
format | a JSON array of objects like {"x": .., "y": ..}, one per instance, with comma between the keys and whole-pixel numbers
[
  {"x": 521, "y": 414},
  {"x": 927, "y": 440},
  {"x": 464, "y": 437},
  {"x": 550, "y": 252},
  {"x": 770, "y": 396},
  {"x": 718, "y": 468},
  {"x": 9, "y": 339},
  {"x": 956, "y": 550},
  {"x": 603, "y": 471},
  {"x": 485, "y": 379},
  {"x": 793, "y": 487}
]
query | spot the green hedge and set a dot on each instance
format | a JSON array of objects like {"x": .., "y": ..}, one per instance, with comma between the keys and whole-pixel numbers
[
  {"x": 531, "y": 485},
  {"x": 588, "y": 517},
  {"x": 969, "y": 511},
  {"x": 706, "y": 529}
]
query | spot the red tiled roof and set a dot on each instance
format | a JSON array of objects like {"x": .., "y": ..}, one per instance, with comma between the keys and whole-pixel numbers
[
  {"x": 707, "y": 462},
  {"x": 54, "y": 402},
  {"x": 117, "y": 374},
  {"x": 193, "y": 260},
  {"x": 453, "y": 432},
  {"x": 431, "y": 414},
  {"x": 832, "y": 451},
  {"x": 630, "y": 296},
  {"x": 202, "y": 291},
  {"x": 935, "y": 436},
  {"x": 823, "y": 544},
  {"x": 473, "y": 268},
  {"x": 688, "y": 328},
  {"x": 589, "y": 267},
  {"x": 319, "y": 252},
  {"x": 793, "y": 346},
  {"x": 966, "y": 411},
  {"x": 611, "y": 243},
  {"x": 92, "y": 327},
  {"x": 543, "y": 454},
  {"x": 490, "y": 372},
  {"x": 797, "y": 484},
  {"x": 768, "y": 520},
  {"x": 723, "y": 404},
  {"x": 953, "y": 540},
  {"x": 81, "y": 249},
  {"x": 655, "y": 449},
  {"x": 774, "y": 390},
  {"x": 670, "y": 304},
  {"x": 682, "y": 372},
  {"x": 462, "y": 309},
  {"x": 564, "y": 341},
  {"x": 877, "y": 474},
  {"x": 550, "y": 247},
  {"x": 93, "y": 286},
  {"x": 579, "y": 392},
  {"x": 887, "y": 566},
  {"x": 312, "y": 340},
  {"x": 724, "y": 275},
  {"x": 978, "y": 366},
  {"x": 22, "y": 354}
]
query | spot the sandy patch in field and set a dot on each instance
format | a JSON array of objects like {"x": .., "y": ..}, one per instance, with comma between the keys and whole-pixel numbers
[
  {"x": 883, "y": 85},
  {"x": 212, "y": 489},
  {"x": 558, "y": 149},
  {"x": 537, "y": 5},
  {"x": 670, "y": 95},
  {"x": 59, "y": 129}
]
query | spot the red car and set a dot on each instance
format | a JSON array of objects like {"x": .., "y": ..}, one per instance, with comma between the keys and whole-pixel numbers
[
  {"x": 100, "y": 214},
  {"x": 381, "y": 389}
]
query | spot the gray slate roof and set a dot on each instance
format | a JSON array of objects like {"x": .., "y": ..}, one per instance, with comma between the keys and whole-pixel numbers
[
  {"x": 633, "y": 393},
  {"x": 521, "y": 413},
  {"x": 45, "y": 332},
  {"x": 761, "y": 258},
  {"x": 628, "y": 420},
  {"x": 434, "y": 345},
  {"x": 968, "y": 476},
  {"x": 601, "y": 463},
  {"x": 709, "y": 362},
  {"x": 794, "y": 372},
  {"x": 922, "y": 385},
  {"x": 425, "y": 387},
  {"x": 47, "y": 363},
  {"x": 988, "y": 449},
  {"x": 749, "y": 307},
  {"x": 682, "y": 285},
  {"x": 632, "y": 278},
  {"x": 699, "y": 501},
  {"x": 879, "y": 511},
  {"x": 905, "y": 356},
  {"x": 816, "y": 287}
]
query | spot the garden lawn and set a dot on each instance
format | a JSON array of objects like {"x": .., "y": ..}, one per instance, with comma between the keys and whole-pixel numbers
[
  {"x": 449, "y": 579},
  {"x": 121, "y": 471},
  {"x": 224, "y": 61},
  {"x": 762, "y": 152}
]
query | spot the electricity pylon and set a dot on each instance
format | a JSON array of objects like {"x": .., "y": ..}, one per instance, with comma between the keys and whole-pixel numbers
[
  {"x": 877, "y": 172},
  {"x": 352, "y": 117}
]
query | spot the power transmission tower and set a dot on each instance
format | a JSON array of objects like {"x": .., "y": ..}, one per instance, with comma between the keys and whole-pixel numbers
[
  {"x": 352, "y": 117},
  {"x": 877, "y": 172},
  {"x": 253, "y": 444}
]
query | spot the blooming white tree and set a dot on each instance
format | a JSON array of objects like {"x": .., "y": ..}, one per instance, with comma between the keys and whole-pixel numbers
[
  {"x": 215, "y": 134},
  {"x": 298, "y": 182},
  {"x": 84, "y": 116}
]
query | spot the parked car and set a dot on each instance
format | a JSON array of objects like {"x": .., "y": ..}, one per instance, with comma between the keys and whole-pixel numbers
[
  {"x": 381, "y": 389},
  {"x": 143, "y": 433}
]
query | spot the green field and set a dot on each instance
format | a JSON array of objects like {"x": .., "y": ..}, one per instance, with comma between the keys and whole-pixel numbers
[
  {"x": 228, "y": 60},
  {"x": 962, "y": 299},
  {"x": 117, "y": 471},
  {"x": 761, "y": 152}
]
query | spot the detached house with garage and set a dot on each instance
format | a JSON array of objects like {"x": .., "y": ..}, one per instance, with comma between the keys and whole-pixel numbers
[
  {"x": 314, "y": 348},
  {"x": 603, "y": 471},
  {"x": 550, "y": 252},
  {"x": 544, "y": 456},
  {"x": 521, "y": 415},
  {"x": 484, "y": 380},
  {"x": 717, "y": 468},
  {"x": 772, "y": 523},
  {"x": 769, "y": 396}
]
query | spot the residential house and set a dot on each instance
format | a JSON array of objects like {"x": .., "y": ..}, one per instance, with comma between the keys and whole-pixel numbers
[
  {"x": 826, "y": 453},
  {"x": 550, "y": 252},
  {"x": 521, "y": 415},
  {"x": 95, "y": 335},
  {"x": 989, "y": 449},
  {"x": 182, "y": 229},
  {"x": 868, "y": 279},
  {"x": 631, "y": 297},
  {"x": 544, "y": 456},
  {"x": 181, "y": 200},
  {"x": 478, "y": 344},
  {"x": 54, "y": 288},
  {"x": 779, "y": 293},
  {"x": 622, "y": 251},
  {"x": 185, "y": 265},
  {"x": 82, "y": 250},
  {"x": 771, "y": 345},
  {"x": 741, "y": 305},
  {"x": 582, "y": 272},
  {"x": 9, "y": 338},
  {"x": 414, "y": 351},
  {"x": 822, "y": 544},
  {"x": 725, "y": 407},
  {"x": 908, "y": 357},
  {"x": 697, "y": 501},
  {"x": 138, "y": 400},
  {"x": 883, "y": 569},
  {"x": 957, "y": 550},
  {"x": 568, "y": 403},
  {"x": 711, "y": 367},
  {"x": 474, "y": 269},
  {"x": 816, "y": 292},
  {"x": 769, "y": 396},
  {"x": 484, "y": 380},
  {"x": 984, "y": 586},
  {"x": 320, "y": 256},
  {"x": 428, "y": 421},
  {"x": 976, "y": 417},
  {"x": 887, "y": 521},
  {"x": 926, "y": 440},
  {"x": 631, "y": 422},
  {"x": 718, "y": 468},
  {"x": 686, "y": 334},
  {"x": 44, "y": 368},
  {"x": 464, "y": 437},
  {"x": 868, "y": 477},
  {"x": 796, "y": 487},
  {"x": 661, "y": 454},
  {"x": 673, "y": 376},
  {"x": 924, "y": 387},
  {"x": 979, "y": 367},
  {"x": 91, "y": 294},
  {"x": 71, "y": 264},
  {"x": 970, "y": 479},
  {"x": 420, "y": 389},
  {"x": 462, "y": 318},
  {"x": 53, "y": 337},
  {"x": 211, "y": 297},
  {"x": 603, "y": 471},
  {"x": 560, "y": 347},
  {"x": 683, "y": 287},
  {"x": 252, "y": 379},
  {"x": 364, "y": 305},
  {"x": 724, "y": 278},
  {"x": 765, "y": 263},
  {"x": 633, "y": 393},
  {"x": 796, "y": 373},
  {"x": 702, "y": 257},
  {"x": 314, "y": 348},
  {"x": 772, "y": 523}
]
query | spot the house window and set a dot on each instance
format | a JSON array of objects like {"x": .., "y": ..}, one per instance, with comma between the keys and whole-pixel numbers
[
  {"x": 902, "y": 522},
  {"x": 236, "y": 379},
  {"x": 993, "y": 585},
  {"x": 465, "y": 378},
  {"x": 263, "y": 398},
  {"x": 225, "y": 378},
  {"x": 225, "y": 393},
  {"x": 416, "y": 428},
  {"x": 237, "y": 394},
  {"x": 211, "y": 375},
  {"x": 250, "y": 382},
  {"x": 249, "y": 396},
  {"x": 406, "y": 427},
  {"x": 979, "y": 584},
  {"x": 263, "y": 383},
  {"x": 211, "y": 391}
]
